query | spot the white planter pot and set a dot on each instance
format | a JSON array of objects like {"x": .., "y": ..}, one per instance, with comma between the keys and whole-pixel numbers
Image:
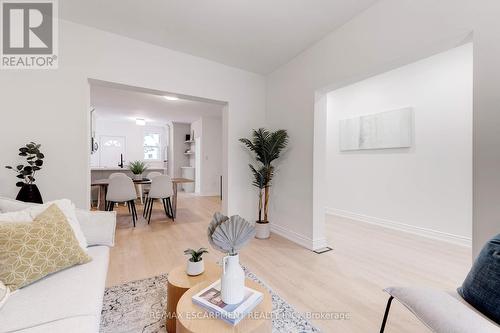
[
  {"x": 232, "y": 280},
  {"x": 262, "y": 230},
  {"x": 195, "y": 268},
  {"x": 138, "y": 177}
]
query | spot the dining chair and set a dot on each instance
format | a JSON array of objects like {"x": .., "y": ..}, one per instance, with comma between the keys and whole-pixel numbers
[
  {"x": 121, "y": 189},
  {"x": 161, "y": 188},
  {"x": 117, "y": 174},
  {"x": 120, "y": 174},
  {"x": 147, "y": 187},
  {"x": 153, "y": 174}
]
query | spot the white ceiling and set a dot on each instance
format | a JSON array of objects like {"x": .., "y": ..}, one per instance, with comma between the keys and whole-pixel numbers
[
  {"x": 127, "y": 105},
  {"x": 255, "y": 35}
]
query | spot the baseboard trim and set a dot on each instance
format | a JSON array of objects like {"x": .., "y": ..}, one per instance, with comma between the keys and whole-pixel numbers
[
  {"x": 208, "y": 194},
  {"x": 306, "y": 242},
  {"x": 425, "y": 232},
  {"x": 319, "y": 243}
]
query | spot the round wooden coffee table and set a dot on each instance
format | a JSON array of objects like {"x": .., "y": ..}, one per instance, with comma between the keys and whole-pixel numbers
[
  {"x": 179, "y": 282},
  {"x": 193, "y": 318}
]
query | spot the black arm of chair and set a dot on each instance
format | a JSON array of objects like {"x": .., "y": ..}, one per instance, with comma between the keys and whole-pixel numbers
[{"x": 386, "y": 314}]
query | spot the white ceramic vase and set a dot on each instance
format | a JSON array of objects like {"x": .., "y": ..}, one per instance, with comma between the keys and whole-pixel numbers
[
  {"x": 233, "y": 280},
  {"x": 262, "y": 230},
  {"x": 138, "y": 176},
  {"x": 195, "y": 268}
]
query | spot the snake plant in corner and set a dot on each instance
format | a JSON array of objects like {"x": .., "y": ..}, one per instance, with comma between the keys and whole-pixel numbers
[{"x": 267, "y": 147}]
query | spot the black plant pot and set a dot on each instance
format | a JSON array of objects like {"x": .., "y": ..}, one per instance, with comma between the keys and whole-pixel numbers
[{"x": 29, "y": 193}]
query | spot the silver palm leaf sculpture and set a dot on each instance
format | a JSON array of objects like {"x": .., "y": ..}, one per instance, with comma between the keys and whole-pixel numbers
[{"x": 229, "y": 235}]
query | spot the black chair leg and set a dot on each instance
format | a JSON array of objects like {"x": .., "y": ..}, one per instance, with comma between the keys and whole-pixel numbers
[
  {"x": 128, "y": 206},
  {"x": 386, "y": 314},
  {"x": 145, "y": 207},
  {"x": 111, "y": 206},
  {"x": 164, "y": 201},
  {"x": 132, "y": 208},
  {"x": 133, "y": 212},
  {"x": 169, "y": 204},
  {"x": 150, "y": 205},
  {"x": 169, "y": 211},
  {"x": 150, "y": 209}
]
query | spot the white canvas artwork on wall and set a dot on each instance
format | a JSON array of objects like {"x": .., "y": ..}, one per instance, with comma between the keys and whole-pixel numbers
[{"x": 389, "y": 129}]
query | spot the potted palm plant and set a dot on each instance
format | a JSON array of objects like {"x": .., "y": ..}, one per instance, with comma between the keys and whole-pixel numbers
[
  {"x": 138, "y": 168},
  {"x": 26, "y": 173},
  {"x": 267, "y": 146},
  {"x": 195, "y": 265}
]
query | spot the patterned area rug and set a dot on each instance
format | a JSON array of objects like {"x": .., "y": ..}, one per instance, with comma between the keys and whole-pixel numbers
[{"x": 139, "y": 307}]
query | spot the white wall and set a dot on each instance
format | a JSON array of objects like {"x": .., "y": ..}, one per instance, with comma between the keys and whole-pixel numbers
[
  {"x": 177, "y": 148},
  {"x": 427, "y": 187},
  {"x": 208, "y": 162},
  {"x": 194, "y": 160},
  {"x": 52, "y": 107},
  {"x": 134, "y": 140},
  {"x": 211, "y": 156},
  {"x": 197, "y": 130},
  {"x": 389, "y": 34}
]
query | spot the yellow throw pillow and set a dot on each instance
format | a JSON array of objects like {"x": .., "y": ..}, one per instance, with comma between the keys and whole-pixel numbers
[{"x": 30, "y": 251}]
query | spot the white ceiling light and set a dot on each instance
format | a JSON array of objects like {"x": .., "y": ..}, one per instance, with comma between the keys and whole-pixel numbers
[
  {"x": 171, "y": 98},
  {"x": 140, "y": 122}
]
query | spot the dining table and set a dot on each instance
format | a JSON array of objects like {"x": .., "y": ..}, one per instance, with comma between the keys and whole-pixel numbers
[{"x": 103, "y": 186}]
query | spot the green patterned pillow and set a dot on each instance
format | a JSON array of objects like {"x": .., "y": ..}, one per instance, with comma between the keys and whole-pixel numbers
[{"x": 30, "y": 251}]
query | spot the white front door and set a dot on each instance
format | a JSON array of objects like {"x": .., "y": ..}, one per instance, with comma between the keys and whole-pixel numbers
[{"x": 111, "y": 148}]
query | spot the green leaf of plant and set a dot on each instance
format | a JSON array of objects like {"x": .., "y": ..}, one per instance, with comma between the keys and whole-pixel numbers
[{"x": 138, "y": 167}]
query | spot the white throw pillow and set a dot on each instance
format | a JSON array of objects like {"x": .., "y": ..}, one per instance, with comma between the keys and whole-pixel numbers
[
  {"x": 4, "y": 294},
  {"x": 12, "y": 217},
  {"x": 10, "y": 205},
  {"x": 32, "y": 211}
]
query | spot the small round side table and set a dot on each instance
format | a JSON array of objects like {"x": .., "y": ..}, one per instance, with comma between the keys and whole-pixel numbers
[
  {"x": 195, "y": 319},
  {"x": 179, "y": 282}
]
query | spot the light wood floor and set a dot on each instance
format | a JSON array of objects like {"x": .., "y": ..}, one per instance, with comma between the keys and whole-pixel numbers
[{"x": 365, "y": 259}]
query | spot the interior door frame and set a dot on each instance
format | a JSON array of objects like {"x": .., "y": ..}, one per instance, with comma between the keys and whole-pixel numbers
[{"x": 225, "y": 129}]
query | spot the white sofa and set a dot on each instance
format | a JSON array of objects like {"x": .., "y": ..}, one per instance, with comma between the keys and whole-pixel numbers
[{"x": 70, "y": 300}]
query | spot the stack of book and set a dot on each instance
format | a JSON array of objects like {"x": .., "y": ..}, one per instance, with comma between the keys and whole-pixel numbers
[{"x": 210, "y": 298}]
